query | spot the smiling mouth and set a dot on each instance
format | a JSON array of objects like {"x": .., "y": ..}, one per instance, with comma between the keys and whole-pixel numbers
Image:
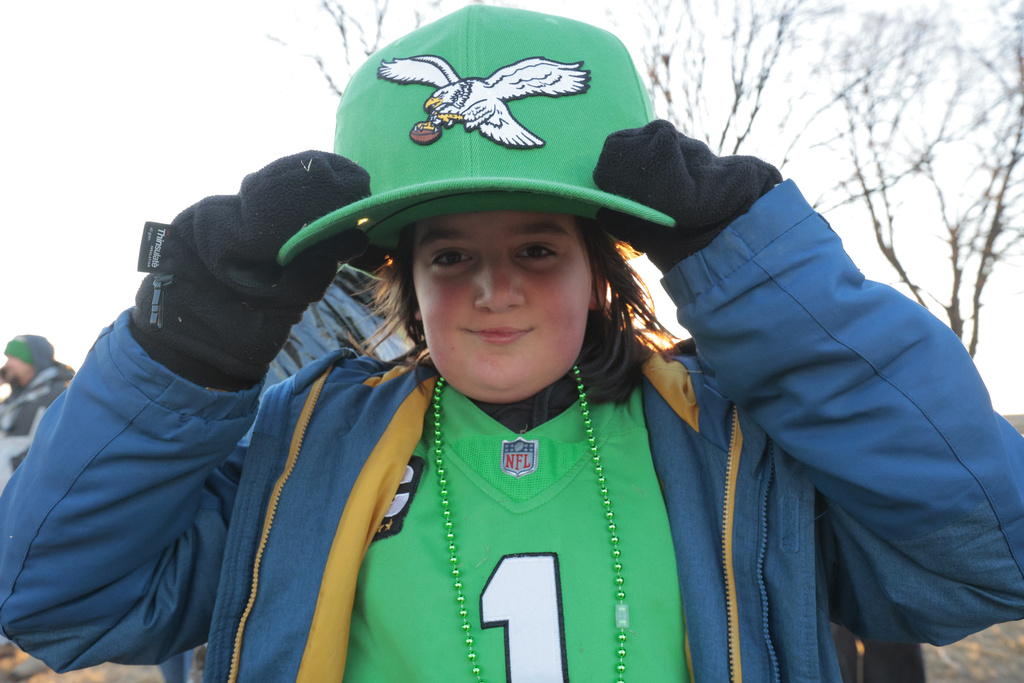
[{"x": 499, "y": 335}]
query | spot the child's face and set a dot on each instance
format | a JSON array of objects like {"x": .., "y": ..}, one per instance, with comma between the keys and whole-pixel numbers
[{"x": 503, "y": 297}]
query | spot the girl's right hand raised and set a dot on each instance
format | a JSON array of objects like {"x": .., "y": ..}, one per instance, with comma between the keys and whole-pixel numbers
[{"x": 218, "y": 307}]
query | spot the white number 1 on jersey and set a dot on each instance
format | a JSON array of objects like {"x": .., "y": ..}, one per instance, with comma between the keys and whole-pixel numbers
[{"x": 524, "y": 596}]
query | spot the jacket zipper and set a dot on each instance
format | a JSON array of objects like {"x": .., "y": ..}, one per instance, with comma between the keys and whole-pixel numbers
[
  {"x": 731, "y": 606},
  {"x": 268, "y": 520},
  {"x": 773, "y": 660}
]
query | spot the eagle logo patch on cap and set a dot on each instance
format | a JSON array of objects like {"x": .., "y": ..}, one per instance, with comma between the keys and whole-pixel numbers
[{"x": 480, "y": 104}]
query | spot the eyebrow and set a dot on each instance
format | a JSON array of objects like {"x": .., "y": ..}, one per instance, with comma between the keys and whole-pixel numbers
[
  {"x": 436, "y": 234},
  {"x": 441, "y": 232}
]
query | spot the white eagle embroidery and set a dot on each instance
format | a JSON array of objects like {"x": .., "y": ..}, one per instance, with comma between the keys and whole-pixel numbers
[{"x": 480, "y": 103}]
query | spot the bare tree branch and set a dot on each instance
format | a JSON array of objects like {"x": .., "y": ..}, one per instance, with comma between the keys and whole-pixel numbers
[
  {"x": 959, "y": 138},
  {"x": 725, "y": 86}
]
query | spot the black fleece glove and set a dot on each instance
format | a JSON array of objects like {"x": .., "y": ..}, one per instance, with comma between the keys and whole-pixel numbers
[
  {"x": 661, "y": 168},
  {"x": 223, "y": 306}
]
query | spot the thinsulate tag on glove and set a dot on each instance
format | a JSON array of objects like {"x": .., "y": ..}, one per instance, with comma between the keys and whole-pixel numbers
[{"x": 153, "y": 256}]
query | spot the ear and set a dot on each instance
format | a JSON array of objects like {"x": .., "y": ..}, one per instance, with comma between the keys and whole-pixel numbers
[{"x": 418, "y": 315}]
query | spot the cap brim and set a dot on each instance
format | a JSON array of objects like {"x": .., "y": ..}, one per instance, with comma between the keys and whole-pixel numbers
[{"x": 383, "y": 216}]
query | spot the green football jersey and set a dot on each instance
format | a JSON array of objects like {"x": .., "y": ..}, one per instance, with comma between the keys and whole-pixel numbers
[{"x": 535, "y": 557}]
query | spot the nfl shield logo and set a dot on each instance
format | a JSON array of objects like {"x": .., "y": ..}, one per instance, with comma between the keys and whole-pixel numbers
[{"x": 519, "y": 457}]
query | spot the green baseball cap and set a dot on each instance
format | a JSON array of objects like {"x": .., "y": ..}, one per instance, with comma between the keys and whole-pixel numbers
[{"x": 488, "y": 108}]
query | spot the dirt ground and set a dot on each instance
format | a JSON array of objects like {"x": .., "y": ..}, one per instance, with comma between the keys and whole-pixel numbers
[
  {"x": 14, "y": 663},
  {"x": 995, "y": 655}
]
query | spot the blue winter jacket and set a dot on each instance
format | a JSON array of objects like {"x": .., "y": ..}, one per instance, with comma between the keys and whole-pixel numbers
[{"x": 831, "y": 453}]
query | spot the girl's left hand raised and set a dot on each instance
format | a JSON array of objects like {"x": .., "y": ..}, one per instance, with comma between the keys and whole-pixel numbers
[{"x": 658, "y": 166}]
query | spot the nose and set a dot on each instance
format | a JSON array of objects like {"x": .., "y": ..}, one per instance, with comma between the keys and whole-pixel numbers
[{"x": 498, "y": 286}]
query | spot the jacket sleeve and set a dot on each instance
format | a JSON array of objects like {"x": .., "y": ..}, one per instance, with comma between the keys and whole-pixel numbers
[
  {"x": 879, "y": 399},
  {"x": 113, "y": 528}
]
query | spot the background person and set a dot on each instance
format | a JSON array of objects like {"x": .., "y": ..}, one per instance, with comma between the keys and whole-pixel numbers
[{"x": 36, "y": 379}]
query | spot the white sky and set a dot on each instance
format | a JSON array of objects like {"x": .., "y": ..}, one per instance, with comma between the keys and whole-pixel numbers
[{"x": 115, "y": 112}]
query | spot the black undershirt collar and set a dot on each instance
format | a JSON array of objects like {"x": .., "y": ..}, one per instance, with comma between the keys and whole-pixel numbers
[{"x": 530, "y": 413}]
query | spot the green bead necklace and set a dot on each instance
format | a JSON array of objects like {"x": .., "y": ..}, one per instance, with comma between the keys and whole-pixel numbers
[{"x": 621, "y": 608}]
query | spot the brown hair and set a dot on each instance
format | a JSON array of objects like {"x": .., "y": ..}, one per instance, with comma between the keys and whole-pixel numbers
[{"x": 620, "y": 335}]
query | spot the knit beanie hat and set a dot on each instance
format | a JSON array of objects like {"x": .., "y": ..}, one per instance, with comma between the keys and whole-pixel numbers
[
  {"x": 18, "y": 348},
  {"x": 488, "y": 108}
]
